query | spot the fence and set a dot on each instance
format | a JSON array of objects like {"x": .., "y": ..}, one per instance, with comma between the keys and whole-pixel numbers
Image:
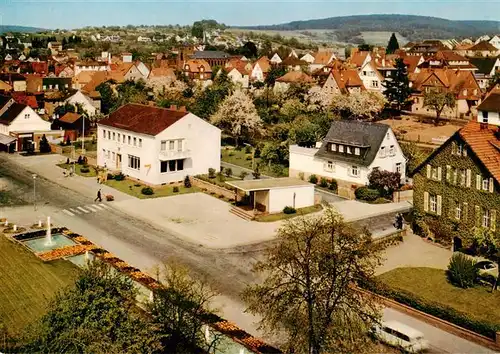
[{"x": 212, "y": 188}]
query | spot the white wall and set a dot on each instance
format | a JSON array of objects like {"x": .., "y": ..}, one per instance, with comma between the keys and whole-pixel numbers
[
  {"x": 282, "y": 197},
  {"x": 493, "y": 118},
  {"x": 31, "y": 124},
  {"x": 86, "y": 103},
  {"x": 388, "y": 163},
  {"x": 201, "y": 147},
  {"x": 371, "y": 75}
]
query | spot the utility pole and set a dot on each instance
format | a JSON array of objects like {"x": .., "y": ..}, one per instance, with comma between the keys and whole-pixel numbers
[
  {"x": 83, "y": 134},
  {"x": 34, "y": 191}
]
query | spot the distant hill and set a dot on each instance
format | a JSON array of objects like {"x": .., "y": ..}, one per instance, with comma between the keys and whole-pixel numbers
[
  {"x": 349, "y": 28},
  {"x": 23, "y": 29}
]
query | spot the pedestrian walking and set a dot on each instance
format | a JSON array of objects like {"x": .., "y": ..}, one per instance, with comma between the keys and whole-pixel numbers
[
  {"x": 399, "y": 221},
  {"x": 98, "y": 196}
]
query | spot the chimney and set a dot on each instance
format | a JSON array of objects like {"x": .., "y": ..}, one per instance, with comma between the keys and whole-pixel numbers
[
  {"x": 182, "y": 109},
  {"x": 173, "y": 107},
  {"x": 483, "y": 126}
]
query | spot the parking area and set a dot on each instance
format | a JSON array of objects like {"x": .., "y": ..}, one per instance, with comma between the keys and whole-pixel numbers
[{"x": 200, "y": 219}]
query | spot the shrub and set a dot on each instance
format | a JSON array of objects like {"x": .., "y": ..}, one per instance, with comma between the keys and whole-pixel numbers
[
  {"x": 256, "y": 153},
  {"x": 333, "y": 185},
  {"x": 119, "y": 177},
  {"x": 243, "y": 174},
  {"x": 380, "y": 200},
  {"x": 228, "y": 171},
  {"x": 323, "y": 182},
  {"x": 256, "y": 173},
  {"x": 365, "y": 193},
  {"x": 109, "y": 197},
  {"x": 110, "y": 176},
  {"x": 147, "y": 191},
  {"x": 248, "y": 158},
  {"x": 187, "y": 182},
  {"x": 289, "y": 210},
  {"x": 461, "y": 271},
  {"x": 220, "y": 177},
  {"x": 84, "y": 170},
  {"x": 175, "y": 189},
  {"x": 248, "y": 149},
  {"x": 313, "y": 179},
  {"x": 211, "y": 172}
]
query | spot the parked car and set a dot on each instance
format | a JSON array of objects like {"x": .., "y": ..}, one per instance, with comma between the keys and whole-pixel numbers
[
  {"x": 401, "y": 336},
  {"x": 487, "y": 267}
]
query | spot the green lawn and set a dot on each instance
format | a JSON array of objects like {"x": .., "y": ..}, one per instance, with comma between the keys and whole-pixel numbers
[
  {"x": 240, "y": 158},
  {"x": 283, "y": 216},
  {"x": 27, "y": 284},
  {"x": 134, "y": 189},
  {"x": 78, "y": 168},
  {"x": 89, "y": 145},
  {"x": 431, "y": 284}
]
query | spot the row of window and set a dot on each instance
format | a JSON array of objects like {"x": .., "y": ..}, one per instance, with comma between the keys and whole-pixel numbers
[
  {"x": 353, "y": 171},
  {"x": 171, "y": 166},
  {"x": 56, "y": 86},
  {"x": 384, "y": 151},
  {"x": 134, "y": 162},
  {"x": 171, "y": 145},
  {"x": 460, "y": 211},
  {"x": 347, "y": 149},
  {"x": 125, "y": 139},
  {"x": 460, "y": 177}
]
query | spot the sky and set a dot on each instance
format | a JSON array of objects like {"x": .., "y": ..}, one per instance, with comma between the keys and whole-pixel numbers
[{"x": 71, "y": 14}]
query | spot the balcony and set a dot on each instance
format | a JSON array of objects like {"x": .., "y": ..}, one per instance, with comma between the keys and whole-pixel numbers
[{"x": 174, "y": 154}]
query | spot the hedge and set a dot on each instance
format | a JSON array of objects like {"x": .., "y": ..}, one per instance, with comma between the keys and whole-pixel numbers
[
  {"x": 441, "y": 311},
  {"x": 365, "y": 193}
]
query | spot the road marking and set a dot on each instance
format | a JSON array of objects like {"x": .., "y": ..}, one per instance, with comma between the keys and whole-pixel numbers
[
  {"x": 92, "y": 208},
  {"x": 68, "y": 212},
  {"x": 98, "y": 207},
  {"x": 75, "y": 211},
  {"x": 104, "y": 206},
  {"x": 84, "y": 210}
]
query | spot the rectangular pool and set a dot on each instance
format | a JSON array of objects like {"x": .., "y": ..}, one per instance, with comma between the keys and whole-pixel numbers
[{"x": 40, "y": 244}]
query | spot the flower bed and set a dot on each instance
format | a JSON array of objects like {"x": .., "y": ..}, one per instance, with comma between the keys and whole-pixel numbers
[{"x": 67, "y": 251}]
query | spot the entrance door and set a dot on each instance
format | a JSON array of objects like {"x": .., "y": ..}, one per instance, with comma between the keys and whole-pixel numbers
[{"x": 118, "y": 161}]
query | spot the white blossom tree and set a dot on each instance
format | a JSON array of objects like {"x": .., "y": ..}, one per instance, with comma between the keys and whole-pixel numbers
[
  {"x": 318, "y": 99},
  {"x": 237, "y": 116},
  {"x": 356, "y": 105},
  {"x": 164, "y": 86}
]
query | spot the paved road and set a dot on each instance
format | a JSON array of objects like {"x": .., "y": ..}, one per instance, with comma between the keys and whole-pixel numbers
[{"x": 144, "y": 246}]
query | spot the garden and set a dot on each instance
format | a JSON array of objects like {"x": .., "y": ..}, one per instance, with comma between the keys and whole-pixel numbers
[
  {"x": 80, "y": 169},
  {"x": 243, "y": 157},
  {"x": 289, "y": 212}
]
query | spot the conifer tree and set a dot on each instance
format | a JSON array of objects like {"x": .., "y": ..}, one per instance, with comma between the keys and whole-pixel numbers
[{"x": 397, "y": 87}]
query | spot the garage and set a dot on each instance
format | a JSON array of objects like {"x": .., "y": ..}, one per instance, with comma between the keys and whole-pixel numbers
[{"x": 273, "y": 194}]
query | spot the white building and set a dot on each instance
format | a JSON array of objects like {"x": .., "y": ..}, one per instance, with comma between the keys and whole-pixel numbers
[
  {"x": 90, "y": 106},
  {"x": 489, "y": 109},
  {"x": 157, "y": 145},
  {"x": 495, "y": 41},
  {"x": 349, "y": 152},
  {"x": 275, "y": 59}
]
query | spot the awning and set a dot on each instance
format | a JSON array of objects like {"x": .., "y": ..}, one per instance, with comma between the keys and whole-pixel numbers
[
  {"x": 6, "y": 139},
  {"x": 269, "y": 183}
]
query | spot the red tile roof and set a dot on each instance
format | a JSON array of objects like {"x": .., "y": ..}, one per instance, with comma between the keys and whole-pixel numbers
[
  {"x": 23, "y": 98},
  {"x": 483, "y": 141},
  {"x": 411, "y": 62},
  {"x": 484, "y": 46},
  {"x": 195, "y": 65},
  {"x": 143, "y": 119},
  {"x": 452, "y": 80},
  {"x": 358, "y": 58},
  {"x": 70, "y": 117},
  {"x": 295, "y": 76},
  {"x": 347, "y": 78},
  {"x": 264, "y": 64}
]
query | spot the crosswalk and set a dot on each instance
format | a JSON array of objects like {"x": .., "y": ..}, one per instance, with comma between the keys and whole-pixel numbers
[{"x": 86, "y": 209}]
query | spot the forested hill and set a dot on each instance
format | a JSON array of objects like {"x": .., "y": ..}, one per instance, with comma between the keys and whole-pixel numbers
[
  {"x": 409, "y": 26},
  {"x": 21, "y": 29}
]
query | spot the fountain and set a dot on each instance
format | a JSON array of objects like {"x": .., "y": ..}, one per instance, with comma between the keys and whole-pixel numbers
[
  {"x": 48, "y": 236},
  {"x": 87, "y": 257},
  {"x": 39, "y": 223}
]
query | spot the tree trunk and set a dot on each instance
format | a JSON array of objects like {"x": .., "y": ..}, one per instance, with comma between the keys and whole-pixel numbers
[{"x": 438, "y": 115}]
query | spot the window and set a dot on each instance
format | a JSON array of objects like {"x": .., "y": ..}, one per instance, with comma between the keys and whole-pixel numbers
[
  {"x": 486, "y": 184},
  {"x": 434, "y": 174},
  {"x": 392, "y": 151},
  {"x": 486, "y": 222},
  {"x": 163, "y": 166},
  {"x": 119, "y": 137},
  {"x": 109, "y": 135},
  {"x": 460, "y": 149},
  {"x": 354, "y": 171},
  {"x": 398, "y": 167},
  {"x": 171, "y": 145},
  {"x": 382, "y": 151},
  {"x": 433, "y": 203},
  {"x": 114, "y": 136},
  {"x": 135, "y": 141},
  {"x": 171, "y": 165},
  {"x": 458, "y": 210},
  {"x": 328, "y": 166},
  {"x": 129, "y": 139},
  {"x": 463, "y": 177},
  {"x": 134, "y": 162},
  {"x": 140, "y": 142},
  {"x": 179, "y": 145},
  {"x": 114, "y": 156},
  {"x": 485, "y": 116},
  {"x": 104, "y": 133},
  {"x": 333, "y": 147},
  {"x": 387, "y": 136},
  {"x": 341, "y": 148},
  {"x": 123, "y": 138},
  {"x": 374, "y": 83},
  {"x": 163, "y": 145},
  {"x": 108, "y": 154},
  {"x": 364, "y": 73},
  {"x": 27, "y": 116},
  {"x": 348, "y": 149},
  {"x": 357, "y": 151}
]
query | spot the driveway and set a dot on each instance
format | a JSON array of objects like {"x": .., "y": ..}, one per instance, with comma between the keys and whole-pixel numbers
[{"x": 200, "y": 219}]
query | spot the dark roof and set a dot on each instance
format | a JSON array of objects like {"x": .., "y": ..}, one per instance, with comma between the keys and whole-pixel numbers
[
  {"x": 484, "y": 65},
  {"x": 11, "y": 113},
  {"x": 491, "y": 103},
  {"x": 4, "y": 100},
  {"x": 8, "y": 77},
  {"x": 209, "y": 54},
  {"x": 143, "y": 119},
  {"x": 367, "y": 136}
]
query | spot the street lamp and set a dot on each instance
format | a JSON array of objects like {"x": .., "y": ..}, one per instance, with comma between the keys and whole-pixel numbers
[
  {"x": 253, "y": 155},
  {"x": 34, "y": 191}
]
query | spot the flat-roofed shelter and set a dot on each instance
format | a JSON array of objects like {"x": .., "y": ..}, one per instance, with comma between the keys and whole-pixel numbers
[{"x": 273, "y": 194}]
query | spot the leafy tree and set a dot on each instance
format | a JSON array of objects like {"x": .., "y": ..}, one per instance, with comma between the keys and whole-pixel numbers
[
  {"x": 266, "y": 49},
  {"x": 438, "y": 101},
  {"x": 397, "y": 87},
  {"x": 308, "y": 292},
  {"x": 358, "y": 105},
  {"x": 275, "y": 72},
  {"x": 393, "y": 45},
  {"x": 365, "y": 47},
  {"x": 274, "y": 153},
  {"x": 207, "y": 101},
  {"x": 44, "y": 145},
  {"x": 414, "y": 154},
  {"x": 384, "y": 181},
  {"x": 304, "y": 132},
  {"x": 495, "y": 80},
  {"x": 108, "y": 99},
  {"x": 197, "y": 30},
  {"x": 237, "y": 116},
  {"x": 249, "y": 50},
  {"x": 97, "y": 315},
  {"x": 180, "y": 309}
]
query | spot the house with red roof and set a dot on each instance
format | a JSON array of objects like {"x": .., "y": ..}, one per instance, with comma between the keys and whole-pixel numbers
[{"x": 157, "y": 145}]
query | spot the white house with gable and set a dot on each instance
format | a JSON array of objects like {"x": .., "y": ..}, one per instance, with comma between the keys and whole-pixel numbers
[
  {"x": 349, "y": 152},
  {"x": 157, "y": 145},
  {"x": 90, "y": 106}
]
